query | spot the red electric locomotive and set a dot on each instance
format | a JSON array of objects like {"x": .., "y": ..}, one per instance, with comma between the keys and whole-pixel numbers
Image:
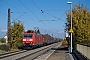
[{"x": 31, "y": 39}]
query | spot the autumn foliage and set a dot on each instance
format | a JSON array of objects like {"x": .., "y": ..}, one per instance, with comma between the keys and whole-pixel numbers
[
  {"x": 80, "y": 23},
  {"x": 16, "y": 34},
  {"x": 64, "y": 42}
]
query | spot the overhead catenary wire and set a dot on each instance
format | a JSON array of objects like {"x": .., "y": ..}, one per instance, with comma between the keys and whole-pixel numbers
[
  {"x": 10, "y": 5},
  {"x": 54, "y": 10},
  {"x": 53, "y": 15},
  {"x": 57, "y": 19},
  {"x": 20, "y": 16},
  {"x": 32, "y": 12},
  {"x": 28, "y": 9},
  {"x": 22, "y": 13},
  {"x": 43, "y": 15},
  {"x": 30, "y": 17},
  {"x": 38, "y": 7},
  {"x": 6, "y": 15}
]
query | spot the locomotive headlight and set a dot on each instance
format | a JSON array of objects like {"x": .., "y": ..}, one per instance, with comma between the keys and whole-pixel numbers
[
  {"x": 24, "y": 39},
  {"x": 31, "y": 40}
]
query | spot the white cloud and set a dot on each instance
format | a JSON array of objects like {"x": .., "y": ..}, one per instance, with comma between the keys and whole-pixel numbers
[
  {"x": 61, "y": 31},
  {"x": 3, "y": 30}
]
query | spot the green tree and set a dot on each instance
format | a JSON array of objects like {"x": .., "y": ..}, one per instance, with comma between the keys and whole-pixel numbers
[
  {"x": 3, "y": 40},
  {"x": 16, "y": 34},
  {"x": 47, "y": 34},
  {"x": 80, "y": 23}
]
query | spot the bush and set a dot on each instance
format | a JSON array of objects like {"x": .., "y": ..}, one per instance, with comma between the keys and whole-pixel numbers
[
  {"x": 64, "y": 42},
  {"x": 84, "y": 42},
  {"x": 2, "y": 40},
  {"x": 4, "y": 47}
]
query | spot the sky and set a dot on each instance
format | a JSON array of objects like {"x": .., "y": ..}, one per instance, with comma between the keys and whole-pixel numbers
[{"x": 48, "y": 15}]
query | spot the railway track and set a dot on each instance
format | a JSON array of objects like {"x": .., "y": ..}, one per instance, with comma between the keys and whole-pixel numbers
[
  {"x": 27, "y": 54},
  {"x": 7, "y": 54}
]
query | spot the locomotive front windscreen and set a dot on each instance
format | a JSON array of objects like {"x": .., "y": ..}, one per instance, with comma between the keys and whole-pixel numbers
[{"x": 27, "y": 35}]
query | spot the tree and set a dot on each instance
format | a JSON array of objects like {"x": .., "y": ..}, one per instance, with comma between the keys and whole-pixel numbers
[
  {"x": 47, "y": 34},
  {"x": 16, "y": 34},
  {"x": 3, "y": 40},
  {"x": 80, "y": 23}
]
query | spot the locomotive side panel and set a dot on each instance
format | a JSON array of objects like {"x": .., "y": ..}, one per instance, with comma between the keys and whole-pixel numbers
[{"x": 38, "y": 39}]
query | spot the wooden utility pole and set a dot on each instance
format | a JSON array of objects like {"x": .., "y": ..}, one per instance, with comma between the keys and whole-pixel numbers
[{"x": 8, "y": 28}]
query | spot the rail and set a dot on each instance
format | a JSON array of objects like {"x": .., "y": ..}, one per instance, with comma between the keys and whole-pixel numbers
[
  {"x": 7, "y": 54},
  {"x": 27, "y": 54}
]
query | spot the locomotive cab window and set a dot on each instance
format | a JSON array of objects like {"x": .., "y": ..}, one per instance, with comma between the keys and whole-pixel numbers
[{"x": 27, "y": 35}]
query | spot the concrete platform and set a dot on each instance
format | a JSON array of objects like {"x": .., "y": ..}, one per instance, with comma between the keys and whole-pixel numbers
[{"x": 60, "y": 54}]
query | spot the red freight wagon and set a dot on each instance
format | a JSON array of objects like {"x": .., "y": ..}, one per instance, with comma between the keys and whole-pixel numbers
[{"x": 45, "y": 39}]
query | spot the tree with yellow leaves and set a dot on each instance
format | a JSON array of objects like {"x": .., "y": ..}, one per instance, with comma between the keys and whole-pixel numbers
[
  {"x": 16, "y": 34},
  {"x": 80, "y": 23}
]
